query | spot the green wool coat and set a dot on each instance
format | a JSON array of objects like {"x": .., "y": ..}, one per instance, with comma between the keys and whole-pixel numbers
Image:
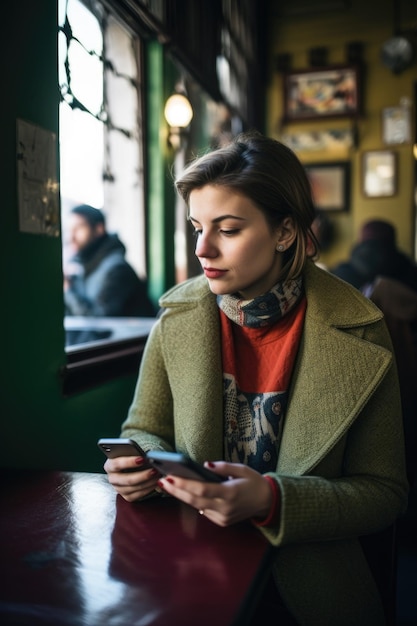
[{"x": 341, "y": 468}]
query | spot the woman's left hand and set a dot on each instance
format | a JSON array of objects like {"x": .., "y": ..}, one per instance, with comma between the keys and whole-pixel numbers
[{"x": 245, "y": 495}]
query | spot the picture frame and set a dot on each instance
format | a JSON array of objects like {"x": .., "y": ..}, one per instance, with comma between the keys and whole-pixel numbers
[
  {"x": 379, "y": 173},
  {"x": 396, "y": 125},
  {"x": 329, "y": 139},
  {"x": 330, "y": 185},
  {"x": 322, "y": 93}
]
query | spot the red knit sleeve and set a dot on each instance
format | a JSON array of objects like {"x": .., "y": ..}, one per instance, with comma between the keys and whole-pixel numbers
[{"x": 274, "y": 512}]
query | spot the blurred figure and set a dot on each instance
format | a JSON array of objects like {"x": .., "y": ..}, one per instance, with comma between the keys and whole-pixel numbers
[
  {"x": 99, "y": 281},
  {"x": 376, "y": 254}
]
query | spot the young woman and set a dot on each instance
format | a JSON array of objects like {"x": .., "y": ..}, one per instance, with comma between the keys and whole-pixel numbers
[{"x": 279, "y": 375}]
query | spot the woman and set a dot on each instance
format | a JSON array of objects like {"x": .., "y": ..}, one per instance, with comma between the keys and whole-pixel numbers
[{"x": 286, "y": 374}]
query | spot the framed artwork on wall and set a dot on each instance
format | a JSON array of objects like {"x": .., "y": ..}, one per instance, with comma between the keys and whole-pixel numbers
[
  {"x": 321, "y": 93},
  {"x": 330, "y": 185},
  {"x": 396, "y": 125},
  {"x": 379, "y": 173},
  {"x": 331, "y": 140}
]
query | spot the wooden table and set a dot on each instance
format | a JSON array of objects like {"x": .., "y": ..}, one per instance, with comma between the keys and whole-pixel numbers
[{"x": 75, "y": 554}]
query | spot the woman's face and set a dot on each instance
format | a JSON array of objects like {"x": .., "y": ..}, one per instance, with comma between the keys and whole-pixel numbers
[{"x": 235, "y": 244}]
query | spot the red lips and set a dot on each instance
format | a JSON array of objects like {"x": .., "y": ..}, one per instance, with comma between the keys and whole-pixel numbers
[{"x": 212, "y": 272}]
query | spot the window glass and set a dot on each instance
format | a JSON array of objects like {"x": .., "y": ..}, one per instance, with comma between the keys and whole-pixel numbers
[
  {"x": 81, "y": 133},
  {"x": 101, "y": 166}
]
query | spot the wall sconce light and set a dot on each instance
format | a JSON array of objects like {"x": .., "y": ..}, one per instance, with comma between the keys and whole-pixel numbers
[{"x": 178, "y": 113}]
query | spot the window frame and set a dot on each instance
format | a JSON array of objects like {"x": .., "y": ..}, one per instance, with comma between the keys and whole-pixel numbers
[{"x": 93, "y": 365}]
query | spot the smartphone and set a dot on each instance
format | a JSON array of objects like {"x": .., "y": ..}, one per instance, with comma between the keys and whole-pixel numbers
[
  {"x": 178, "y": 464},
  {"x": 113, "y": 448}
]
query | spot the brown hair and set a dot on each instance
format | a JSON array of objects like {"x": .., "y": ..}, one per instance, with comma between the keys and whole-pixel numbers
[{"x": 271, "y": 176}]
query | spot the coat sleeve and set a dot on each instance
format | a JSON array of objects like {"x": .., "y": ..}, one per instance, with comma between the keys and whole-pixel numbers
[{"x": 150, "y": 417}]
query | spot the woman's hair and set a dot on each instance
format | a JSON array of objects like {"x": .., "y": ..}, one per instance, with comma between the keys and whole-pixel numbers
[{"x": 271, "y": 176}]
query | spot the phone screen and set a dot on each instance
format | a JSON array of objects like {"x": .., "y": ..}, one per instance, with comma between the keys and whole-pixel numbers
[{"x": 179, "y": 464}]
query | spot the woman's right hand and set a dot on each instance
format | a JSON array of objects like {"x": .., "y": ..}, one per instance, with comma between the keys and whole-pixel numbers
[{"x": 129, "y": 479}]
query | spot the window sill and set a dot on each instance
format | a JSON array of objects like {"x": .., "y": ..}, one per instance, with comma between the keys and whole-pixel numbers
[{"x": 95, "y": 362}]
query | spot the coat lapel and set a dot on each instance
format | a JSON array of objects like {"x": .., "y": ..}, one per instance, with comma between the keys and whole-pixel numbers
[{"x": 335, "y": 373}]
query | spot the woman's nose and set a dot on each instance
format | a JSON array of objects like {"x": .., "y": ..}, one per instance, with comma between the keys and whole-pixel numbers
[{"x": 204, "y": 247}]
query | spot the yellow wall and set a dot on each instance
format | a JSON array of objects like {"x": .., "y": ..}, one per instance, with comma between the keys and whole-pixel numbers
[{"x": 369, "y": 22}]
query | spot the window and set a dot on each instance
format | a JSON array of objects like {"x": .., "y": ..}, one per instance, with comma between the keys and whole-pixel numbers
[{"x": 101, "y": 155}]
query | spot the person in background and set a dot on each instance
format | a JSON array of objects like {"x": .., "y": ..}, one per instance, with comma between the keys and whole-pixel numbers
[
  {"x": 98, "y": 280},
  {"x": 376, "y": 254},
  {"x": 280, "y": 377}
]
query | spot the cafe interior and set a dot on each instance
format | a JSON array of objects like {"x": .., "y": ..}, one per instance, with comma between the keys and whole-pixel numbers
[{"x": 89, "y": 87}]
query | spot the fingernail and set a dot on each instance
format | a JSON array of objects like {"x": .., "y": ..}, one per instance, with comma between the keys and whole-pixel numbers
[
  {"x": 154, "y": 472},
  {"x": 210, "y": 464},
  {"x": 169, "y": 480},
  {"x": 160, "y": 484},
  {"x": 139, "y": 460}
]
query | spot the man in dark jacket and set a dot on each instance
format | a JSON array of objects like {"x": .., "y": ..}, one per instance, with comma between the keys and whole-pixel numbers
[
  {"x": 101, "y": 282},
  {"x": 376, "y": 254}
]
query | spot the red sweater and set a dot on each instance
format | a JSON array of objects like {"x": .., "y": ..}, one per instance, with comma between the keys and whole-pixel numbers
[{"x": 257, "y": 368}]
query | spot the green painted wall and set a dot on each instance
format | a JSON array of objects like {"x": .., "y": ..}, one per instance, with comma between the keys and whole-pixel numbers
[
  {"x": 40, "y": 428},
  {"x": 370, "y": 23}
]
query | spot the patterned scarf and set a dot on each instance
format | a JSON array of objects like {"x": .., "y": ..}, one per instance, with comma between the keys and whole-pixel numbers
[{"x": 262, "y": 310}]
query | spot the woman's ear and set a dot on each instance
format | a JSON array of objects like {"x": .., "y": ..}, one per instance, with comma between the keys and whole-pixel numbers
[{"x": 286, "y": 234}]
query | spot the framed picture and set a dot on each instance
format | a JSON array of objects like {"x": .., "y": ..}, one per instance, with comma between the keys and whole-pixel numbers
[
  {"x": 396, "y": 125},
  {"x": 331, "y": 140},
  {"x": 321, "y": 93},
  {"x": 330, "y": 185},
  {"x": 379, "y": 173}
]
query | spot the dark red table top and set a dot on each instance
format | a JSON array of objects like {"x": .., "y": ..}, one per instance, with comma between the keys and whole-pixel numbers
[{"x": 73, "y": 553}]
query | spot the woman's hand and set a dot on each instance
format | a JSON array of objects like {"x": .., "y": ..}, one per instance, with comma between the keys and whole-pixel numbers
[
  {"x": 127, "y": 477},
  {"x": 245, "y": 495}
]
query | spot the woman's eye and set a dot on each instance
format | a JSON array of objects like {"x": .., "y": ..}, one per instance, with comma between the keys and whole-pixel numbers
[
  {"x": 227, "y": 232},
  {"x": 230, "y": 232}
]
